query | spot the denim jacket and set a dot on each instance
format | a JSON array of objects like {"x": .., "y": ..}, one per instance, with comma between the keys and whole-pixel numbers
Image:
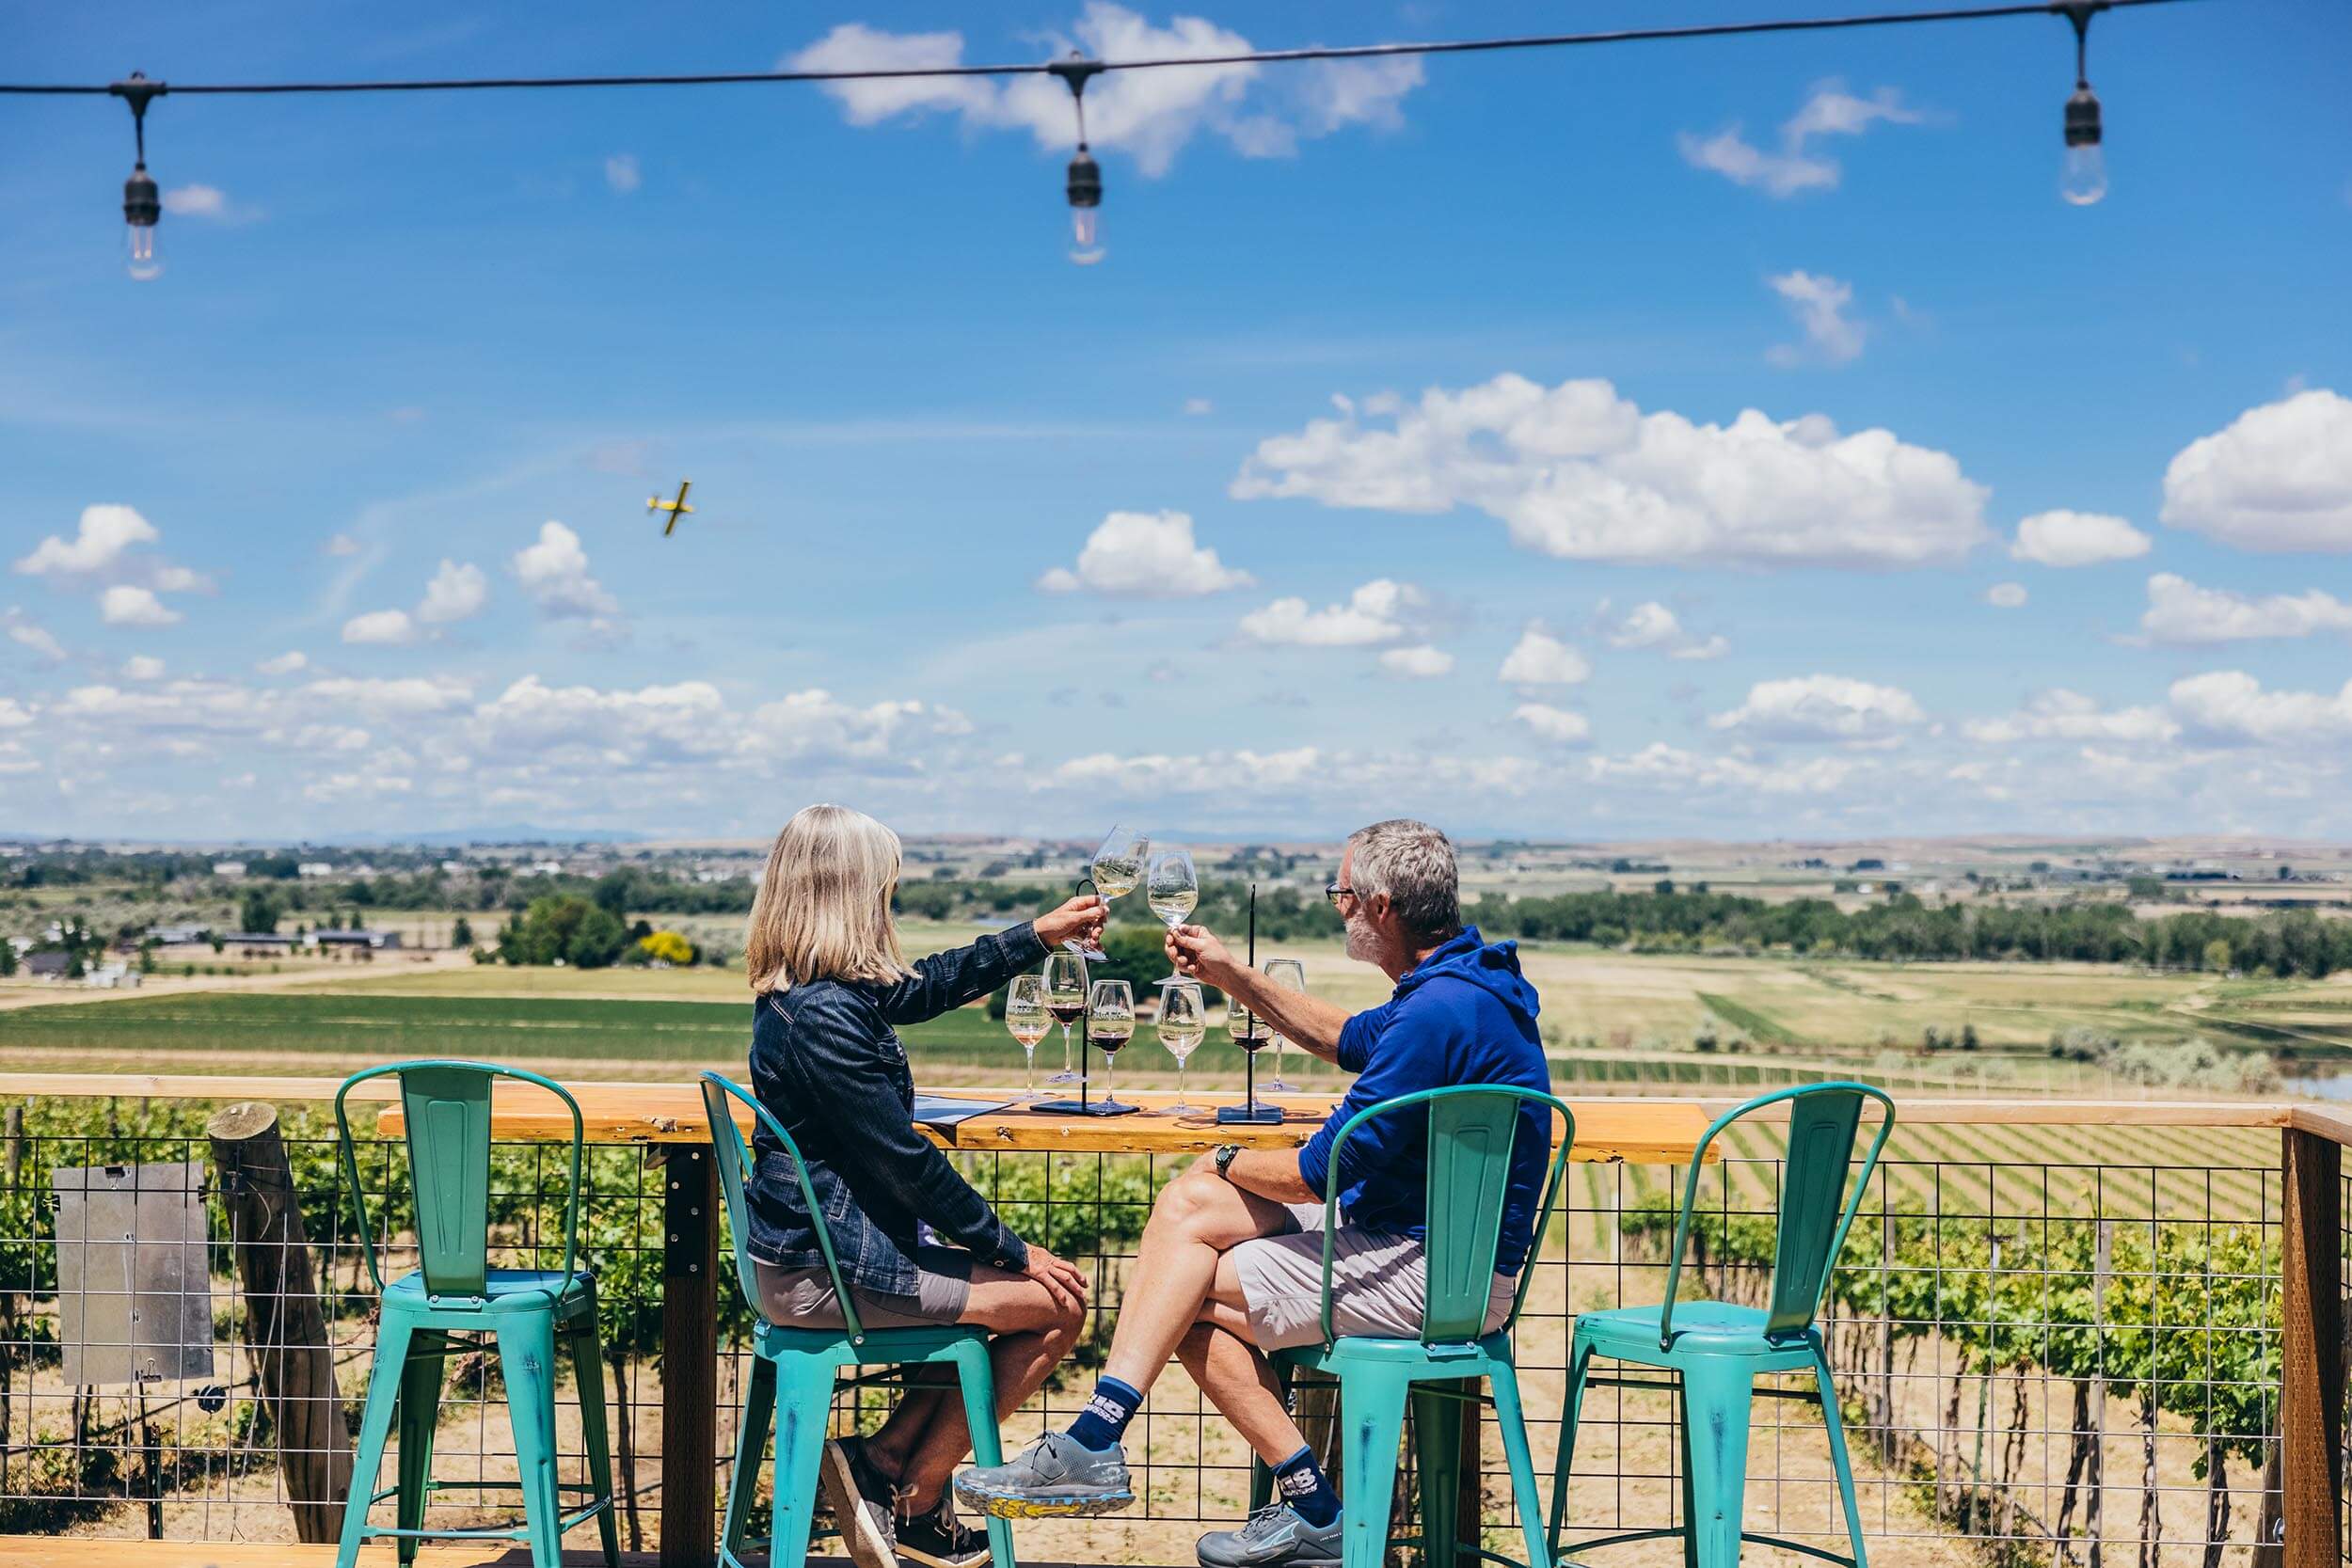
[{"x": 826, "y": 1063}]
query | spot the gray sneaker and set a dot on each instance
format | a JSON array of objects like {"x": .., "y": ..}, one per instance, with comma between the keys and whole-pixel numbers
[
  {"x": 1276, "y": 1537},
  {"x": 860, "y": 1502},
  {"x": 1055, "y": 1478}
]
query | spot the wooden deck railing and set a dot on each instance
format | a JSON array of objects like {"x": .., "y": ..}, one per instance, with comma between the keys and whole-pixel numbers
[{"x": 2310, "y": 1176}]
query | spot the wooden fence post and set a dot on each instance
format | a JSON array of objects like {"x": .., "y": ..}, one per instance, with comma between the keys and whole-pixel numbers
[
  {"x": 689, "y": 1357},
  {"x": 285, "y": 1329},
  {"x": 2311, "y": 1392}
]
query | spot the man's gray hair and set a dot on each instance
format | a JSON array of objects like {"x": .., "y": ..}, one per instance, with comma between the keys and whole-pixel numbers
[{"x": 1413, "y": 863}]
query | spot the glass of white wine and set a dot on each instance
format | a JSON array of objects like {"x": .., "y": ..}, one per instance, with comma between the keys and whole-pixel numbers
[
  {"x": 1110, "y": 1024},
  {"x": 1290, "y": 975},
  {"x": 1026, "y": 1016},
  {"x": 1066, "y": 1001},
  {"x": 1117, "y": 867},
  {"x": 1172, "y": 889},
  {"x": 1184, "y": 1023}
]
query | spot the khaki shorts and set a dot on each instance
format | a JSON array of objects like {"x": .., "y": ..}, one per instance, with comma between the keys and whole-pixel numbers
[
  {"x": 1379, "y": 1284},
  {"x": 803, "y": 1298}
]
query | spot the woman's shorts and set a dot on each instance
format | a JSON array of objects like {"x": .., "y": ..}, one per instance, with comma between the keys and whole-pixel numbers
[{"x": 803, "y": 1298}]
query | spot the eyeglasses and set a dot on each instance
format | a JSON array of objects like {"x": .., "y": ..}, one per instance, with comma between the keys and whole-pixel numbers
[{"x": 1332, "y": 891}]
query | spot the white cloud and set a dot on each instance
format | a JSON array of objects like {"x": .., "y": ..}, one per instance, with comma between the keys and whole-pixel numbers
[
  {"x": 2063, "y": 538},
  {"x": 1148, "y": 114},
  {"x": 1553, "y": 724},
  {"x": 382, "y": 627},
  {"x": 2058, "y": 714},
  {"x": 1539, "y": 659},
  {"x": 622, "y": 174},
  {"x": 1821, "y": 707},
  {"x": 141, "y": 667},
  {"x": 39, "y": 638},
  {"x": 2278, "y": 478},
  {"x": 1577, "y": 471},
  {"x": 406, "y": 694},
  {"x": 1660, "y": 767},
  {"x": 1421, "y": 663},
  {"x": 1379, "y": 612},
  {"x": 1652, "y": 625},
  {"x": 1147, "y": 555},
  {"x": 1830, "y": 112},
  {"x": 340, "y": 545},
  {"x": 209, "y": 203},
  {"x": 2180, "y": 612},
  {"x": 98, "y": 546},
  {"x": 2232, "y": 705},
  {"x": 283, "y": 664},
  {"x": 1818, "y": 301},
  {"x": 1199, "y": 406},
  {"x": 124, "y": 604},
  {"x": 456, "y": 593},
  {"x": 2005, "y": 595},
  {"x": 554, "y": 572}
]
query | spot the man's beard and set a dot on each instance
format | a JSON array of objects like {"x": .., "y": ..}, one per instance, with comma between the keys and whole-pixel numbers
[{"x": 1360, "y": 941}]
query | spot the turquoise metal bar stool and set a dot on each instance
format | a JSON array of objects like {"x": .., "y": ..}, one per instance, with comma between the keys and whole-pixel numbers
[
  {"x": 1471, "y": 1127},
  {"x": 454, "y": 1292},
  {"x": 793, "y": 1369},
  {"x": 1718, "y": 1349}
]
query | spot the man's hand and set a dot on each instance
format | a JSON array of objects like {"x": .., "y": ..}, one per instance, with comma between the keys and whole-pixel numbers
[
  {"x": 1062, "y": 1281},
  {"x": 1197, "y": 955},
  {"x": 1081, "y": 919}
]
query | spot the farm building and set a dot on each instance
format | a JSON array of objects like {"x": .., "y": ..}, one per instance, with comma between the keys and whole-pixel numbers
[{"x": 357, "y": 939}]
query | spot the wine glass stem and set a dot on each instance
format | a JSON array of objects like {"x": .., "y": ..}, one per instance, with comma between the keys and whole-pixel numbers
[
  {"x": 1066, "y": 1063},
  {"x": 1110, "y": 1089},
  {"x": 1028, "y": 1084}
]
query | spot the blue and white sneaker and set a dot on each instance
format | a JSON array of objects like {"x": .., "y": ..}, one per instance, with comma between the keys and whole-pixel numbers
[
  {"x": 1275, "y": 1537},
  {"x": 1055, "y": 1478}
]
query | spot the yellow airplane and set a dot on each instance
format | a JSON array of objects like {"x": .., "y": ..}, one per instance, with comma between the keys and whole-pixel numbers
[{"x": 676, "y": 509}]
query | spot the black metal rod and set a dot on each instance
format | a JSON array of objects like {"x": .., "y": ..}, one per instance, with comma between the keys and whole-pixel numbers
[{"x": 1269, "y": 56}]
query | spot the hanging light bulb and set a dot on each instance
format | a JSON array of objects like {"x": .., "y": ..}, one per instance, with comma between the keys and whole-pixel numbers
[
  {"x": 2084, "y": 177},
  {"x": 1085, "y": 185},
  {"x": 142, "y": 202}
]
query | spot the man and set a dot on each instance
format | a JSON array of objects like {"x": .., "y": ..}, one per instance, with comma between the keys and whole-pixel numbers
[{"x": 1230, "y": 1265}]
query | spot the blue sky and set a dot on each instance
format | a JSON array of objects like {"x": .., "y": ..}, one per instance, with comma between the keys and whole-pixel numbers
[{"x": 1586, "y": 444}]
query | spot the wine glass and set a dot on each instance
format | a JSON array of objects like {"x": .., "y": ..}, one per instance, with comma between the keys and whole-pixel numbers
[
  {"x": 1183, "y": 1021},
  {"x": 1250, "y": 1033},
  {"x": 1290, "y": 975},
  {"x": 1117, "y": 867},
  {"x": 1066, "y": 999},
  {"x": 1110, "y": 1024},
  {"x": 1172, "y": 889},
  {"x": 1026, "y": 1018}
]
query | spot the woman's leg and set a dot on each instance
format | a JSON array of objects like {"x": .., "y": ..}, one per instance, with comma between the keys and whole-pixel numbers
[{"x": 1034, "y": 1333}]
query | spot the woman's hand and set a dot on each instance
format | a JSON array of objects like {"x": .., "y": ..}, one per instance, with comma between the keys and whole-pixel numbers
[
  {"x": 1062, "y": 1281},
  {"x": 1081, "y": 919}
]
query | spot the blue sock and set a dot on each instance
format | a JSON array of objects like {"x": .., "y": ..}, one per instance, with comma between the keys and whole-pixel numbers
[
  {"x": 1104, "y": 1421},
  {"x": 1307, "y": 1489}
]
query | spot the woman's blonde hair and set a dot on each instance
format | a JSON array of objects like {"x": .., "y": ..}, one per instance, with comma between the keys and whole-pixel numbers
[{"x": 823, "y": 908}]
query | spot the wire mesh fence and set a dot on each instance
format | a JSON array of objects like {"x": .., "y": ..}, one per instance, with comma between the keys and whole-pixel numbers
[{"x": 2034, "y": 1354}]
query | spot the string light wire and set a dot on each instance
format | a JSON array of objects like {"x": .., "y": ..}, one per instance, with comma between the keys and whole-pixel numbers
[{"x": 1263, "y": 56}]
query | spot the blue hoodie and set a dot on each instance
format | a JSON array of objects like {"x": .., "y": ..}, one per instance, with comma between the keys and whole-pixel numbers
[{"x": 1464, "y": 1015}]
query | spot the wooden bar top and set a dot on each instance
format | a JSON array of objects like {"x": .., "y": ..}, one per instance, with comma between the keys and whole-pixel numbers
[{"x": 1648, "y": 1133}]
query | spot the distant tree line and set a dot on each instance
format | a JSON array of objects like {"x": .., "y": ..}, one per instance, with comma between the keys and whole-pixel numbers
[{"x": 1904, "y": 928}]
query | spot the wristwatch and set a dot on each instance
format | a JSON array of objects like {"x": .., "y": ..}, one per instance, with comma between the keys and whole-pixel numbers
[{"x": 1224, "y": 1157}]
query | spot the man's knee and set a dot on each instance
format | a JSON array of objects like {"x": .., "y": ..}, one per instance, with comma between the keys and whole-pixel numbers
[{"x": 1198, "y": 1204}]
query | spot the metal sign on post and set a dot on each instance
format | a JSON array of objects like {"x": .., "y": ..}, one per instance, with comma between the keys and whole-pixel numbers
[{"x": 135, "y": 1301}]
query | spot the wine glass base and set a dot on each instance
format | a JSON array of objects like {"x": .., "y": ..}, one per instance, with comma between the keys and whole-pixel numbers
[
  {"x": 1092, "y": 952},
  {"x": 1275, "y": 1085},
  {"x": 1062, "y": 1077},
  {"x": 1183, "y": 1109}
]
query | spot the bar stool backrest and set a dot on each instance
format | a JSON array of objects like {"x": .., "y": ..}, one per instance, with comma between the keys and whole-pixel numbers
[{"x": 736, "y": 1167}]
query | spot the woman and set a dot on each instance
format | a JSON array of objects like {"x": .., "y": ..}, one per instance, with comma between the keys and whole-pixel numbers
[{"x": 830, "y": 980}]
